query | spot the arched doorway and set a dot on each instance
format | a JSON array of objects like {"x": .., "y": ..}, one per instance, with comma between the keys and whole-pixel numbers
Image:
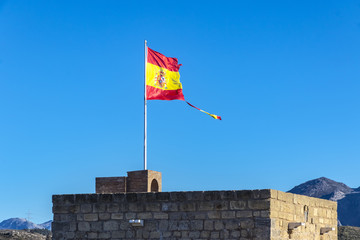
[{"x": 154, "y": 186}]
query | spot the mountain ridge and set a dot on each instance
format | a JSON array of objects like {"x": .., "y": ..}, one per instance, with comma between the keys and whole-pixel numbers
[
  {"x": 22, "y": 223},
  {"x": 348, "y": 199}
]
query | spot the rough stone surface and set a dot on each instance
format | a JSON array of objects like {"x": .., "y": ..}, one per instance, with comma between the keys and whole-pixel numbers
[{"x": 245, "y": 215}]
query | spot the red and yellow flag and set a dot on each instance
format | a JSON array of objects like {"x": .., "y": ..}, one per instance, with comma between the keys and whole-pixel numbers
[{"x": 163, "y": 79}]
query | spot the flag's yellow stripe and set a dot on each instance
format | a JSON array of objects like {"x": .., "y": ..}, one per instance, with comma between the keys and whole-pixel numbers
[
  {"x": 212, "y": 115},
  {"x": 172, "y": 78}
]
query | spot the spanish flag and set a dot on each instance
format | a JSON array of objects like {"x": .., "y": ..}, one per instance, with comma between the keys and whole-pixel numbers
[{"x": 163, "y": 79}]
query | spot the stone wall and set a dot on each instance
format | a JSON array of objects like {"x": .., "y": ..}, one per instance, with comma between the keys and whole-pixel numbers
[
  {"x": 315, "y": 213},
  {"x": 256, "y": 215},
  {"x": 174, "y": 215}
]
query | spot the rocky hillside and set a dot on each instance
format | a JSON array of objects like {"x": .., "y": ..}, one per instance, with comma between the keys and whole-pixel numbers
[
  {"x": 348, "y": 233},
  {"x": 22, "y": 235},
  {"x": 348, "y": 198}
]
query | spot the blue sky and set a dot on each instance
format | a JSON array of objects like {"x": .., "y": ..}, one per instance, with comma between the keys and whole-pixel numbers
[{"x": 284, "y": 76}]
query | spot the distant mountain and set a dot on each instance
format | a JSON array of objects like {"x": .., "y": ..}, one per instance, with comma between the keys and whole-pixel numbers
[
  {"x": 349, "y": 210},
  {"x": 348, "y": 198},
  {"x": 21, "y": 223},
  {"x": 46, "y": 225},
  {"x": 322, "y": 188}
]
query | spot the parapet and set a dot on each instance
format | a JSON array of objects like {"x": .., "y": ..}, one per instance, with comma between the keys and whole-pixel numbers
[{"x": 248, "y": 215}]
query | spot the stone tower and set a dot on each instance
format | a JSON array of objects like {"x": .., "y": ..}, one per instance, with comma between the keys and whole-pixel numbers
[{"x": 136, "y": 181}]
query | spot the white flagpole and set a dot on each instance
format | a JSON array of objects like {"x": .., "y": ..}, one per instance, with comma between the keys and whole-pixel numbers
[{"x": 145, "y": 111}]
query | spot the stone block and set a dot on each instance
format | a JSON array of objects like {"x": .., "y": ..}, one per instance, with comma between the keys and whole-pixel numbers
[
  {"x": 235, "y": 234},
  {"x": 118, "y": 234},
  {"x": 61, "y": 226},
  {"x": 131, "y": 197},
  {"x": 136, "y": 207},
  {"x": 162, "y": 196},
  {"x": 178, "y": 196},
  {"x": 96, "y": 226},
  {"x": 130, "y": 234},
  {"x": 184, "y": 225},
  {"x": 205, "y": 234},
  {"x": 104, "y": 235},
  {"x": 152, "y": 207},
  {"x": 214, "y": 214},
  {"x": 187, "y": 206},
  {"x": 238, "y": 205},
  {"x": 113, "y": 207},
  {"x": 91, "y": 217},
  {"x": 197, "y": 225},
  {"x": 195, "y": 196},
  {"x": 130, "y": 215},
  {"x": 244, "y": 214},
  {"x": 86, "y": 208},
  {"x": 224, "y": 234},
  {"x": 185, "y": 235},
  {"x": 69, "y": 235},
  {"x": 105, "y": 198},
  {"x": 215, "y": 235},
  {"x": 124, "y": 225},
  {"x": 206, "y": 206},
  {"x": 163, "y": 225},
  {"x": 161, "y": 215},
  {"x": 227, "y": 214},
  {"x": 144, "y": 215},
  {"x": 285, "y": 197},
  {"x": 117, "y": 216},
  {"x": 243, "y": 195},
  {"x": 79, "y": 217},
  {"x": 104, "y": 216},
  {"x": 256, "y": 213},
  {"x": 232, "y": 225},
  {"x": 155, "y": 234},
  {"x": 221, "y": 205},
  {"x": 218, "y": 225},
  {"x": 60, "y": 209},
  {"x": 247, "y": 224},
  {"x": 176, "y": 215},
  {"x": 111, "y": 225},
  {"x": 169, "y": 207},
  {"x": 259, "y": 204},
  {"x": 227, "y": 195},
  {"x": 209, "y": 225},
  {"x": 92, "y": 235},
  {"x": 212, "y": 195},
  {"x": 84, "y": 226},
  {"x": 118, "y": 198},
  {"x": 194, "y": 234}
]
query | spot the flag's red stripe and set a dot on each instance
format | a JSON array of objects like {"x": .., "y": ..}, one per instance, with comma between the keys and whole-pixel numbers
[
  {"x": 153, "y": 93},
  {"x": 193, "y": 106},
  {"x": 160, "y": 60}
]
